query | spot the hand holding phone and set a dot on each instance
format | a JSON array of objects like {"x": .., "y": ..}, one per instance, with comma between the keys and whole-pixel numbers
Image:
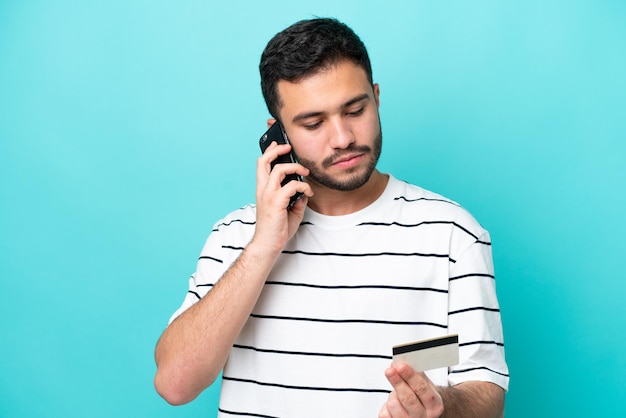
[{"x": 276, "y": 132}]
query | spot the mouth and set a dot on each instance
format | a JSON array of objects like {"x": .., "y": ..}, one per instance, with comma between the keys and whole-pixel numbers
[
  {"x": 348, "y": 157},
  {"x": 348, "y": 161}
]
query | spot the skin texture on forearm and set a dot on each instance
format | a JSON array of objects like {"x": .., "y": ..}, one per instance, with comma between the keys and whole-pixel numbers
[
  {"x": 193, "y": 349},
  {"x": 473, "y": 400}
]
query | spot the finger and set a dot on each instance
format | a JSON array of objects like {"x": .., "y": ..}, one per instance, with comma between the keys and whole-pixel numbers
[
  {"x": 392, "y": 408},
  {"x": 281, "y": 178},
  {"x": 271, "y": 153},
  {"x": 272, "y": 191},
  {"x": 396, "y": 407},
  {"x": 263, "y": 166},
  {"x": 284, "y": 169},
  {"x": 275, "y": 149},
  {"x": 404, "y": 394},
  {"x": 299, "y": 207},
  {"x": 422, "y": 387},
  {"x": 384, "y": 412}
]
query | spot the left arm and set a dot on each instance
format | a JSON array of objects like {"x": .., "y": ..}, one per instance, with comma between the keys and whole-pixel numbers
[
  {"x": 414, "y": 395},
  {"x": 473, "y": 399}
]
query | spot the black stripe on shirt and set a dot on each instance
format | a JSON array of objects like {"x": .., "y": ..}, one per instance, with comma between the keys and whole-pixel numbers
[
  {"x": 491, "y": 276},
  {"x": 346, "y": 321},
  {"x": 479, "y": 368},
  {"x": 230, "y": 247},
  {"x": 308, "y": 353},
  {"x": 206, "y": 257},
  {"x": 365, "y": 254},
  {"x": 241, "y": 221},
  {"x": 339, "y": 287},
  {"x": 245, "y": 414},
  {"x": 462, "y": 228},
  {"x": 200, "y": 285},
  {"x": 481, "y": 342},
  {"x": 426, "y": 199},
  {"x": 315, "y": 388},
  {"x": 475, "y": 308}
]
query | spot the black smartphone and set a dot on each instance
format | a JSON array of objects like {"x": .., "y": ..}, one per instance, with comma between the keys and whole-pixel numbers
[{"x": 276, "y": 132}]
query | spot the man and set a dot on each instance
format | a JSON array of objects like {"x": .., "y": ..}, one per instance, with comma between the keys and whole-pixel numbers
[{"x": 300, "y": 307}]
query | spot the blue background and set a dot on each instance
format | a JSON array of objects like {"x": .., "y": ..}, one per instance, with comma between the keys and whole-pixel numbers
[{"x": 127, "y": 128}]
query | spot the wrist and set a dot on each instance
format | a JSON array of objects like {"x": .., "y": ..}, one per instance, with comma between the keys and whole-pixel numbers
[{"x": 261, "y": 254}]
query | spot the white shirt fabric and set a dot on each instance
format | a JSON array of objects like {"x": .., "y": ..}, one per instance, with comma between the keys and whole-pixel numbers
[{"x": 411, "y": 265}]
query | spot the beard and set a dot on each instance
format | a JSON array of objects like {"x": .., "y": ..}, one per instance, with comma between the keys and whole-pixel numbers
[{"x": 357, "y": 176}]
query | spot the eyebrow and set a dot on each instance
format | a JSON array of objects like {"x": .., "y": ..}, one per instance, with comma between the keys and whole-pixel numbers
[{"x": 349, "y": 103}]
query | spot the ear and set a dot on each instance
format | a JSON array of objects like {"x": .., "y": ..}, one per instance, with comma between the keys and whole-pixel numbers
[
  {"x": 376, "y": 94},
  {"x": 270, "y": 122}
]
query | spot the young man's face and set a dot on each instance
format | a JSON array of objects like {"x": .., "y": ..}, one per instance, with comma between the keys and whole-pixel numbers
[{"x": 331, "y": 119}]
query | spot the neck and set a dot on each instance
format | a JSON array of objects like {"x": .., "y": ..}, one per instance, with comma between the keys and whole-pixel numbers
[{"x": 335, "y": 202}]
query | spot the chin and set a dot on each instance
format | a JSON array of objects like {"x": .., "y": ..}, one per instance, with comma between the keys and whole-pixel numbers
[{"x": 346, "y": 183}]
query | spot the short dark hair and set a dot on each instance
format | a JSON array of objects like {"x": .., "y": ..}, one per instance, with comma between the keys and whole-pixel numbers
[{"x": 305, "y": 48}]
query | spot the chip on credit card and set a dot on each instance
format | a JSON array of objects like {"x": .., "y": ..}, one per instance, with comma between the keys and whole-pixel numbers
[{"x": 428, "y": 354}]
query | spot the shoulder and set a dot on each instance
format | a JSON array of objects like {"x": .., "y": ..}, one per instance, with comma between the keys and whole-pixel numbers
[
  {"x": 418, "y": 202},
  {"x": 407, "y": 192},
  {"x": 242, "y": 218}
]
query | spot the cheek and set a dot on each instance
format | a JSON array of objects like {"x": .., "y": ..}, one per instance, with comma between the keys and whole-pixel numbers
[
  {"x": 310, "y": 146},
  {"x": 370, "y": 125},
  {"x": 306, "y": 151}
]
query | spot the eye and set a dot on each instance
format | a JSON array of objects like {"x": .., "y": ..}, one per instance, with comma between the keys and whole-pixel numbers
[
  {"x": 356, "y": 112},
  {"x": 312, "y": 126}
]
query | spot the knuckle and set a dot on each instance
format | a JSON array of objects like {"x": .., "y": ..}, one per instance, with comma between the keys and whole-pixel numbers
[
  {"x": 421, "y": 387},
  {"x": 409, "y": 400}
]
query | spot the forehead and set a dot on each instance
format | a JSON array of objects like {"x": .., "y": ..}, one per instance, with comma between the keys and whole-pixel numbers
[{"x": 323, "y": 92}]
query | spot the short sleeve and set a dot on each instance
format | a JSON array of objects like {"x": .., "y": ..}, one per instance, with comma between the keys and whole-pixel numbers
[
  {"x": 226, "y": 241},
  {"x": 474, "y": 314}
]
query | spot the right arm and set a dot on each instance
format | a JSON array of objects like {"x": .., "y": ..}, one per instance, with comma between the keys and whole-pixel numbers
[{"x": 194, "y": 347}]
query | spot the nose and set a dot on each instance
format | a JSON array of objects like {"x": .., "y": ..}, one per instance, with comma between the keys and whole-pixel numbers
[{"x": 341, "y": 135}]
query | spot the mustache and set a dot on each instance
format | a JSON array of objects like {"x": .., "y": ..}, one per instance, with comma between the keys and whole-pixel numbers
[{"x": 339, "y": 154}]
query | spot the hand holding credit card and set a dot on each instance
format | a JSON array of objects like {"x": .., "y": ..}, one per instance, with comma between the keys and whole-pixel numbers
[{"x": 428, "y": 354}]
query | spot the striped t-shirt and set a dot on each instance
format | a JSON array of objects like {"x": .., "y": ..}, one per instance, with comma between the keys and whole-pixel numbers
[{"x": 411, "y": 265}]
